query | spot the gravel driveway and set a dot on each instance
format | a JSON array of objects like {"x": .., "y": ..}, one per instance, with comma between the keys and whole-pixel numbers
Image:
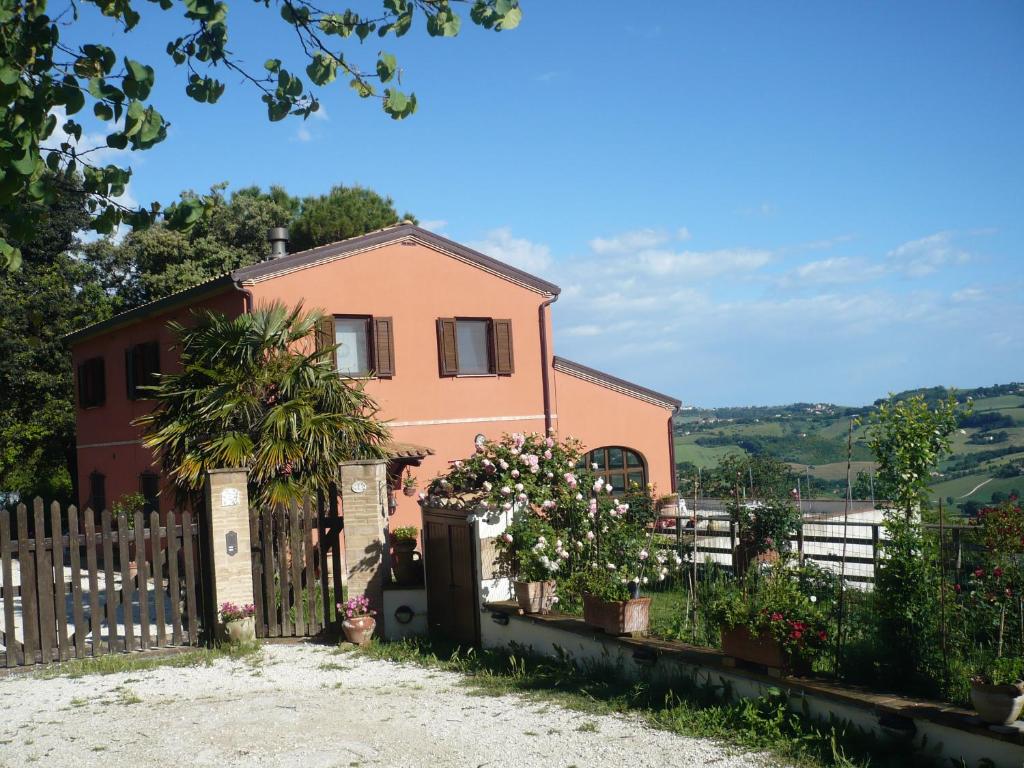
[{"x": 307, "y": 707}]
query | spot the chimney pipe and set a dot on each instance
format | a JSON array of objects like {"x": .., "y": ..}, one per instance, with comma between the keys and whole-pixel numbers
[{"x": 278, "y": 239}]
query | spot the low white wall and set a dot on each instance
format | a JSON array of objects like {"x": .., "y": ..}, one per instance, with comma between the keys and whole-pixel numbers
[
  {"x": 548, "y": 640},
  {"x": 414, "y": 598}
]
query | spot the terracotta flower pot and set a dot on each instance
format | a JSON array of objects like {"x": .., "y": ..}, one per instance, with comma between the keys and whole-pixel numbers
[
  {"x": 241, "y": 630},
  {"x": 409, "y": 490},
  {"x": 761, "y": 649},
  {"x": 406, "y": 563},
  {"x": 359, "y": 629},
  {"x": 617, "y": 617},
  {"x": 535, "y": 596},
  {"x": 997, "y": 704},
  {"x": 133, "y": 571}
]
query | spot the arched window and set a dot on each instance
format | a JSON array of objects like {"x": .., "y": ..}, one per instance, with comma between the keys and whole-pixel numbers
[{"x": 619, "y": 466}]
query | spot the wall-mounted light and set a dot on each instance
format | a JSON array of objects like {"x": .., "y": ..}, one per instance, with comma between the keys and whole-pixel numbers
[
  {"x": 479, "y": 440},
  {"x": 404, "y": 614}
]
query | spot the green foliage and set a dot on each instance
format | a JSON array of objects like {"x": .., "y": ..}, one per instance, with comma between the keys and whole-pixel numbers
[
  {"x": 342, "y": 213},
  {"x": 760, "y": 476},
  {"x": 909, "y": 438},
  {"x": 529, "y": 549},
  {"x": 128, "y": 505},
  {"x": 45, "y": 79},
  {"x": 405, "y": 533},
  {"x": 251, "y": 394},
  {"x": 51, "y": 295}
]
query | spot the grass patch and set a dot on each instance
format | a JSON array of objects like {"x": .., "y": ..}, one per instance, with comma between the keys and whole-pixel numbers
[
  {"x": 680, "y": 705},
  {"x": 116, "y": 663}
]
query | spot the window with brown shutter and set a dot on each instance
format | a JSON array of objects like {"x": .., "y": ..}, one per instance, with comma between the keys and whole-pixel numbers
[
  {"x": 141, "y": 365},
  {"x": 383, "y": 347},
  {"x": 475, "y": 346},
  {"x": 92, "y": 384},
  {"x": 501, "y": 337},
  {"x": 447, "y": 346},
  {"x": 363, "y": 345}
]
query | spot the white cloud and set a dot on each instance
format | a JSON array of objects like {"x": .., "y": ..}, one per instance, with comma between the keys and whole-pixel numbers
[
  {"x": 584, "y": 330},
  {"x": 627, "y": 242},
  {"x": 518, "y": 251},
  {"x": 434, "y": 224},
  {"x": 921, "y": 257},
  {"x": 303, "y": 134},
  {"x": 969, "y": 294},
  {"x": 837, "y": 270},
  {"x": 683, "y": 233},
  {"x": 701, "y": 265}
]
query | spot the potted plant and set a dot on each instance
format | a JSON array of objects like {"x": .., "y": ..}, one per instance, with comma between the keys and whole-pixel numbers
[
  {"x": 406, "y": 563},
  {"x": 621, "y": 562},
  {"x": 409, "y": 485},
  {"x": 765, "y": 527},
  {"x": 239, "y": 622},
  {"x": 766, "y": 619},
  {"x": 530, "y": 553},
  {"x": 997, "y": 690},
  {"x": 358, "y": 624}
]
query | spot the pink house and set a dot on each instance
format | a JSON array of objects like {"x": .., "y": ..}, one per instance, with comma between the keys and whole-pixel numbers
[{"x": 453, "y": 344}]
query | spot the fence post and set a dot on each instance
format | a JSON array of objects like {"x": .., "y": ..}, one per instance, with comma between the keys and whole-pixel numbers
[
  {"x": 874, "y": 550},
  {"x": 800, "y": 544},
  {"x": 228, "y": 549},
  {"x": 364, "y": 493},
  {"x": 732, "y": 535}
]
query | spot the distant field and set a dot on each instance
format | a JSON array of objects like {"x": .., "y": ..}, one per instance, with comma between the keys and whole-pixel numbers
[
  {"x": 703, "y": 457},
  {"x": 1001, "y": 403},
  {"x": 836, "y": 470},
  {"x": 963, "y": 485}
]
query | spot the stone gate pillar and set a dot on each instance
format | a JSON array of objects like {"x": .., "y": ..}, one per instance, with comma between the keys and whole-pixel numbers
[
  {"x": 364, "y": 506},
  {"x": 229, "y": 549}
]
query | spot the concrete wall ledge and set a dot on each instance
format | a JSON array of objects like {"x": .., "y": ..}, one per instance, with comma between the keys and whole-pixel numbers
[{"x": 956, "y": 730}]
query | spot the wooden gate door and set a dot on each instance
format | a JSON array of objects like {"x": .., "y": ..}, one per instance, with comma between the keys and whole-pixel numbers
[
  {"x": 451, "y": 575},
  {"x": 296, "y": 568},
  {"x": 75, "y": 584}
]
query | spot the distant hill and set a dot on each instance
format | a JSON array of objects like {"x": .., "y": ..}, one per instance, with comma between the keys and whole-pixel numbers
[{"x": 988, "y": 450}]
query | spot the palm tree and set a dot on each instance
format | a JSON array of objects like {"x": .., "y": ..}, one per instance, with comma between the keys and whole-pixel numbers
[{"x": 256, "y": 392}]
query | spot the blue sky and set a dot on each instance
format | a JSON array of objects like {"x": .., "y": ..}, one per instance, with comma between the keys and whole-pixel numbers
[{"x": 744, "y": 203}]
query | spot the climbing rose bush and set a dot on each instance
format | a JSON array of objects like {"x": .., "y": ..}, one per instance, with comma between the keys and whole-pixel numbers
[{"x": 563, "y": 521}]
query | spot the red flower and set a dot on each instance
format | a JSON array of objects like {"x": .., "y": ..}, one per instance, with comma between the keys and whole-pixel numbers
[
  {"x": 776, "y": 616},
  {"x": 997, "y": 572},
  {"x": 956, "y": 587},
  {"x": 822, "y": 635},
  {"x": 979, "y": 572},
  {"x": 796, "y": 634}
]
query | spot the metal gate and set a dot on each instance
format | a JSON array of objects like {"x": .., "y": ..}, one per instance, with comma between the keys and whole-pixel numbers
[
  {"x": 70, "y": 590},
  {"x": 297, "y": 567},
  {"x": 451, "y": 576}
]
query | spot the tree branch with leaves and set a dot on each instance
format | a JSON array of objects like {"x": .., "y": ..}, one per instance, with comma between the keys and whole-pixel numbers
[{"x": 41, "y": 77}]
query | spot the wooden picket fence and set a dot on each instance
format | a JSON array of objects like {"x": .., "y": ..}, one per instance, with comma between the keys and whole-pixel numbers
[
  {"x": 296, "y": 568},
  {"x": 77, "y": 592}
]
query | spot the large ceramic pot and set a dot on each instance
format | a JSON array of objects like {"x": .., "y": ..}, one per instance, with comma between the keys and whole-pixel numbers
[
  {"x": 359, "y": 629},
  {"x": 535, "y": 596},
  {"x": 762, "y": 649},
  {"x": 409, "y": 490},
  {"x": 617, "y": 617},
  {"x": 406, "y": 563},
  {"x": 997, "y": 704},
  {"x": 241, "y": 630}
]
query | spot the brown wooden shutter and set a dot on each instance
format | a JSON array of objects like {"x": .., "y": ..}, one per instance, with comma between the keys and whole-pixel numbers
[
  {"x": 447, "y": 346},
  {"x": 383, "y": 347},
  {"x": 501, "y": 338},
  {"x": 83, "y": 397},
  {"x": 129, "y": 372},
  {"x": 99, "y": 381},
  {"x": 324, "y": 333}
]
